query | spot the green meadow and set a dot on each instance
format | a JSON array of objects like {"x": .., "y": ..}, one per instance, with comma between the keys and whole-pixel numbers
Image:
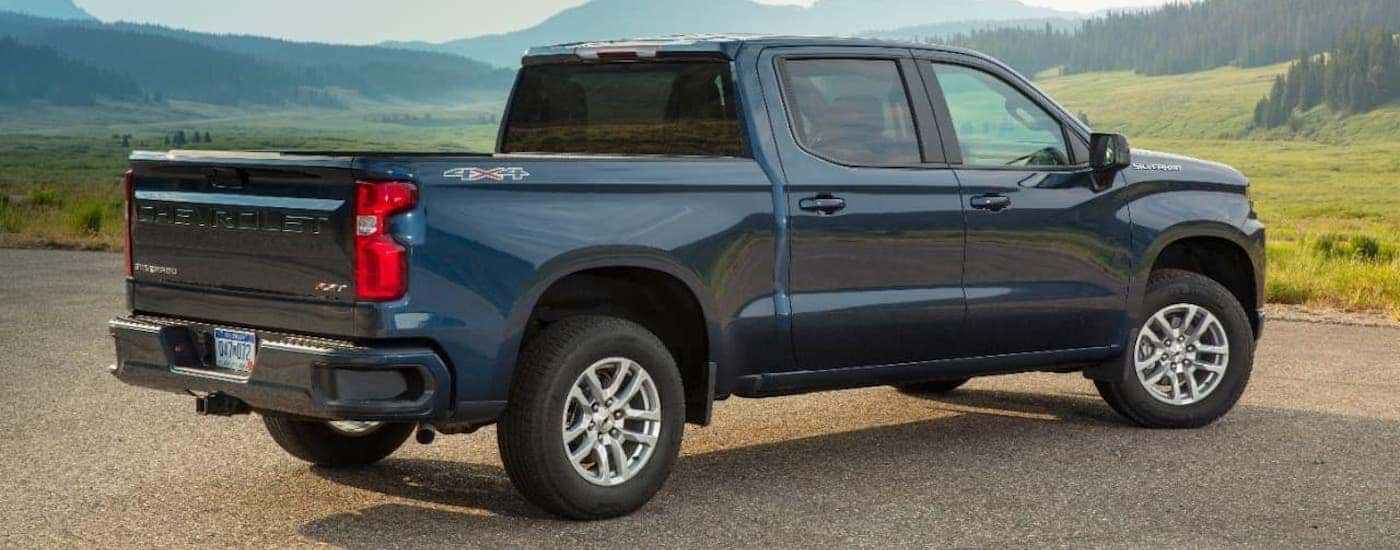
[{"x": 1328, "y": 187}]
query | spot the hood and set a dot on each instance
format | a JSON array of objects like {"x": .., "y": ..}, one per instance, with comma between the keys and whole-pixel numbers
[{"x": 1156, "y": 165}]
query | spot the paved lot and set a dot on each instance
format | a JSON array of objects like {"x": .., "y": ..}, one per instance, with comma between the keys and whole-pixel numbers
[{"x": 1312, "y": 457}]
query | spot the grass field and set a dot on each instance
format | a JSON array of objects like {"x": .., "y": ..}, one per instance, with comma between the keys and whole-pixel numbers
[{"x": 1329, "y": 189}]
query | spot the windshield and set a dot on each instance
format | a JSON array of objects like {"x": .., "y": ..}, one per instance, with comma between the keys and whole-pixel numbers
[{"x": 664, "y": 108}]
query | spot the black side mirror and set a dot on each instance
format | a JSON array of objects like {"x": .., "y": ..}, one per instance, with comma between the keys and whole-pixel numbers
[{"x": 1109, "y": 152}]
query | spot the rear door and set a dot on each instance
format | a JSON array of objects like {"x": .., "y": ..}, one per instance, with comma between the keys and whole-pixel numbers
[
  {"x": 875, "y": 215},
  {"x": 276, "y": 226},
  {"x": 1047, "y": 262}
]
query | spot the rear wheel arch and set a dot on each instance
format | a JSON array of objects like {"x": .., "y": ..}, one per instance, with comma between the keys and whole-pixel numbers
[{"x": 644, "y": 288}]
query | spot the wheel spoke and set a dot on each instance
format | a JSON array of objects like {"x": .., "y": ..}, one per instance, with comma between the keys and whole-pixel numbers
[
  {"x": 1164, "y": 323},
  {"x": 1176, "y": 384},
  {"x": 1201, "y": 331},
  {"x": 624, "y": 369},
  {"x": 642, "y": 438},
  {"x": 571, "y": 434},
  {"x": 600, "y": 455},
  {"x": 640, "y": 414},
  {"x": 625, "y": 396},
  {"x": 1216, "y": 350},
  {"x": 1208, "y": 367},
  {"x": 585, "y": 448},
  {"x": 1190, "y": 316},
  {"x": 619, "y": 458},
  {"x": 595, "y": 386},
  {"x": 1144, "y": 364},
  {"x": 576, "y": 395},
  {"x": 1191, "y": 386}
]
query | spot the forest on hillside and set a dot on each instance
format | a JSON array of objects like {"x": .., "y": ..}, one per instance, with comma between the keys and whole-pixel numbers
[
  {"x": 1361, "y": 73},
  {"x": 1184, "y": 37},
  {"x": 37, "y": 71}
]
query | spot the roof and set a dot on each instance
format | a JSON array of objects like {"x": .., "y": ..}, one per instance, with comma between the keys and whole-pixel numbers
[{"x": 727, "y": 45}]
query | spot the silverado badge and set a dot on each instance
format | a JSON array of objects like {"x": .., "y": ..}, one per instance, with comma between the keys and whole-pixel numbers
[{"x": 512, "y": 173}]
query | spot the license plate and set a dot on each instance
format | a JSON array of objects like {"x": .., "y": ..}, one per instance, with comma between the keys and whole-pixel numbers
[{"x": 235, "y": 350}]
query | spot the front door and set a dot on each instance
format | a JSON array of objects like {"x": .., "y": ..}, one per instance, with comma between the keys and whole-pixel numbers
[
  {"x": 875, "y": 215},
  {"x": 1047, "y": 262}
]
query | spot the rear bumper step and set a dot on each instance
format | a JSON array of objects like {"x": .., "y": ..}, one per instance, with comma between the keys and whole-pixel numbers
[{"x": 308, "y": 377}]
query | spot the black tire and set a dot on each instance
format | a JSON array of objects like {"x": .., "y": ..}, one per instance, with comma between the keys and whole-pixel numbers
[
  {"x": 529, "y": 432},
  {"x": 932, "y": 387},
  {"x": 314, "y": 441},
  {"x": 1126, "y": 394}
]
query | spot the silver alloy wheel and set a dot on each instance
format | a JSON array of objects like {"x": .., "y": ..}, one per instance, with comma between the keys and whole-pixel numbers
[
  {"x": 354, "y": 428},
  {"x": 611, "y": 421},
  {"x": 1181, "y": 354}
]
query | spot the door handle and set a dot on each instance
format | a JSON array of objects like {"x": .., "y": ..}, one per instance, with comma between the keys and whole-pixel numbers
[
  {"x": 994, "y": 203},
  {"x": 824, "y": 204}
]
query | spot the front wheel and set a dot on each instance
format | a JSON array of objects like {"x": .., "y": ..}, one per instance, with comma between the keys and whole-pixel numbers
[
  {"x": 595, "y": 418},
  {"x": 1189, "y": 361}
]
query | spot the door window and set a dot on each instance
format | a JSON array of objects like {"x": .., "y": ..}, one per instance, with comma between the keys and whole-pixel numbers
[
  {"x": 996, "y": 124},
  {"x": 852, "y": 111}
]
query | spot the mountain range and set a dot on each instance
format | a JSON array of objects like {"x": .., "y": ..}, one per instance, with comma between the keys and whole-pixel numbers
[
  {"x": 146, "y": 62},
  {"x": 614, "y": 19},
  {"x": 54, "y": 9}
]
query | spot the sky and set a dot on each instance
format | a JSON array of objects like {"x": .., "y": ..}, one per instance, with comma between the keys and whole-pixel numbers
[{"x": 373, "y": 21}]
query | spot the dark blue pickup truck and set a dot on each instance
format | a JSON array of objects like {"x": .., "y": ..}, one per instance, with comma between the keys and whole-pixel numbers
[{"x": 667, "y": 223}]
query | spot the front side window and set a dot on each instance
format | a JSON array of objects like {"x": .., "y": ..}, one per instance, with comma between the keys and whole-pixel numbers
[
  {"x": 852, "y": 111},
  {"x": 996, "y": 124},
  {"x": 661, "y": 108}
]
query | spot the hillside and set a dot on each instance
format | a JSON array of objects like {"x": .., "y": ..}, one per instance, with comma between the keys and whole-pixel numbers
[
  {"x": 936, "y": 30},
  {"x": 1186, "y": 37},
  {"x": 170, "y": 64},
  {"x": 55, "y": 9},
  {"x": 1214, "y": 104},
  {"x": 34, "y": 71},
  {"x": 613, "y": 19}
]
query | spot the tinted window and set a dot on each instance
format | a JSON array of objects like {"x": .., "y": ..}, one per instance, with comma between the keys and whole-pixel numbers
[
  {"x": 996, "y": 124},
  {"x": 685, "y": 108},
  {"x": 852, "y": 111}
]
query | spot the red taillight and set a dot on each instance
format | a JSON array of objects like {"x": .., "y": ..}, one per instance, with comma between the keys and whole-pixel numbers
[
  {"x": 381, "y": 263},
  {"x": 130, "y": 188}
]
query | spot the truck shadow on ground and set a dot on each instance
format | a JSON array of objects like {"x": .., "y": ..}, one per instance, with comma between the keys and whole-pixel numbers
[{"x": 1028, "y": 450}]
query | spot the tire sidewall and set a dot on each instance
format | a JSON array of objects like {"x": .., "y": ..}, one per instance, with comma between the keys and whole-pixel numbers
[
  {"x": 637, "y": 345},
  {"x": 1199, "y": 291}
]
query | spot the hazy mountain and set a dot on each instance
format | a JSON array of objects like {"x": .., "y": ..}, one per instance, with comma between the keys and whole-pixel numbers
[
  {"x": 55, "y": 9},
  {"x": 612, "y": 19},
  {"x": 166, "y": 63}
]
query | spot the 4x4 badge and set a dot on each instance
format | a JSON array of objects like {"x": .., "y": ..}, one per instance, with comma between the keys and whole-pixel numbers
[{"x": 512, "y": 173}]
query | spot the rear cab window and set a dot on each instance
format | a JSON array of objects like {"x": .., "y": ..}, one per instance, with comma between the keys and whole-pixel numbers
[
  {"x": 854, "y": 112},
  {"x": 680, "y": 108}
]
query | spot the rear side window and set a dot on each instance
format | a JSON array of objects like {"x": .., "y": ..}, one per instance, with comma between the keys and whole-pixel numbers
[
  {"x": 852, "y": 111},
  {"x": 663, "y": 108}
]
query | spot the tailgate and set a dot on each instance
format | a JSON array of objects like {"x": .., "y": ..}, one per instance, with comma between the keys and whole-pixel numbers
[{"x": 265, "y": 224}]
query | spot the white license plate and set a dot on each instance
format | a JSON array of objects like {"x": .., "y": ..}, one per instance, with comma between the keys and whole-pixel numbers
[{"x": 235, "y": 350}]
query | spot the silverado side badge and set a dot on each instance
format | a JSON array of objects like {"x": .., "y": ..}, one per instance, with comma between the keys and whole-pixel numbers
[{"x": 512, "y": 173}]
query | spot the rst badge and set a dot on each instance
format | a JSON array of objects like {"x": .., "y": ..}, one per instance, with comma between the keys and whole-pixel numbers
[{"x": 502, "y": 173}]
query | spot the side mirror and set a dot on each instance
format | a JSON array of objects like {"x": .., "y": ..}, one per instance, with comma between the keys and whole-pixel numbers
[{"x": 1109, "y": 152}]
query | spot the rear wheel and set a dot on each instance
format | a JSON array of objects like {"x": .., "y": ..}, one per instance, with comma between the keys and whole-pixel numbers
[
  {"x": 934, "y": 387},
  {"x": 1190, "y": 361},
  {"x": 337, "y": 444},
  {"x": 595, "y": 418}
]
